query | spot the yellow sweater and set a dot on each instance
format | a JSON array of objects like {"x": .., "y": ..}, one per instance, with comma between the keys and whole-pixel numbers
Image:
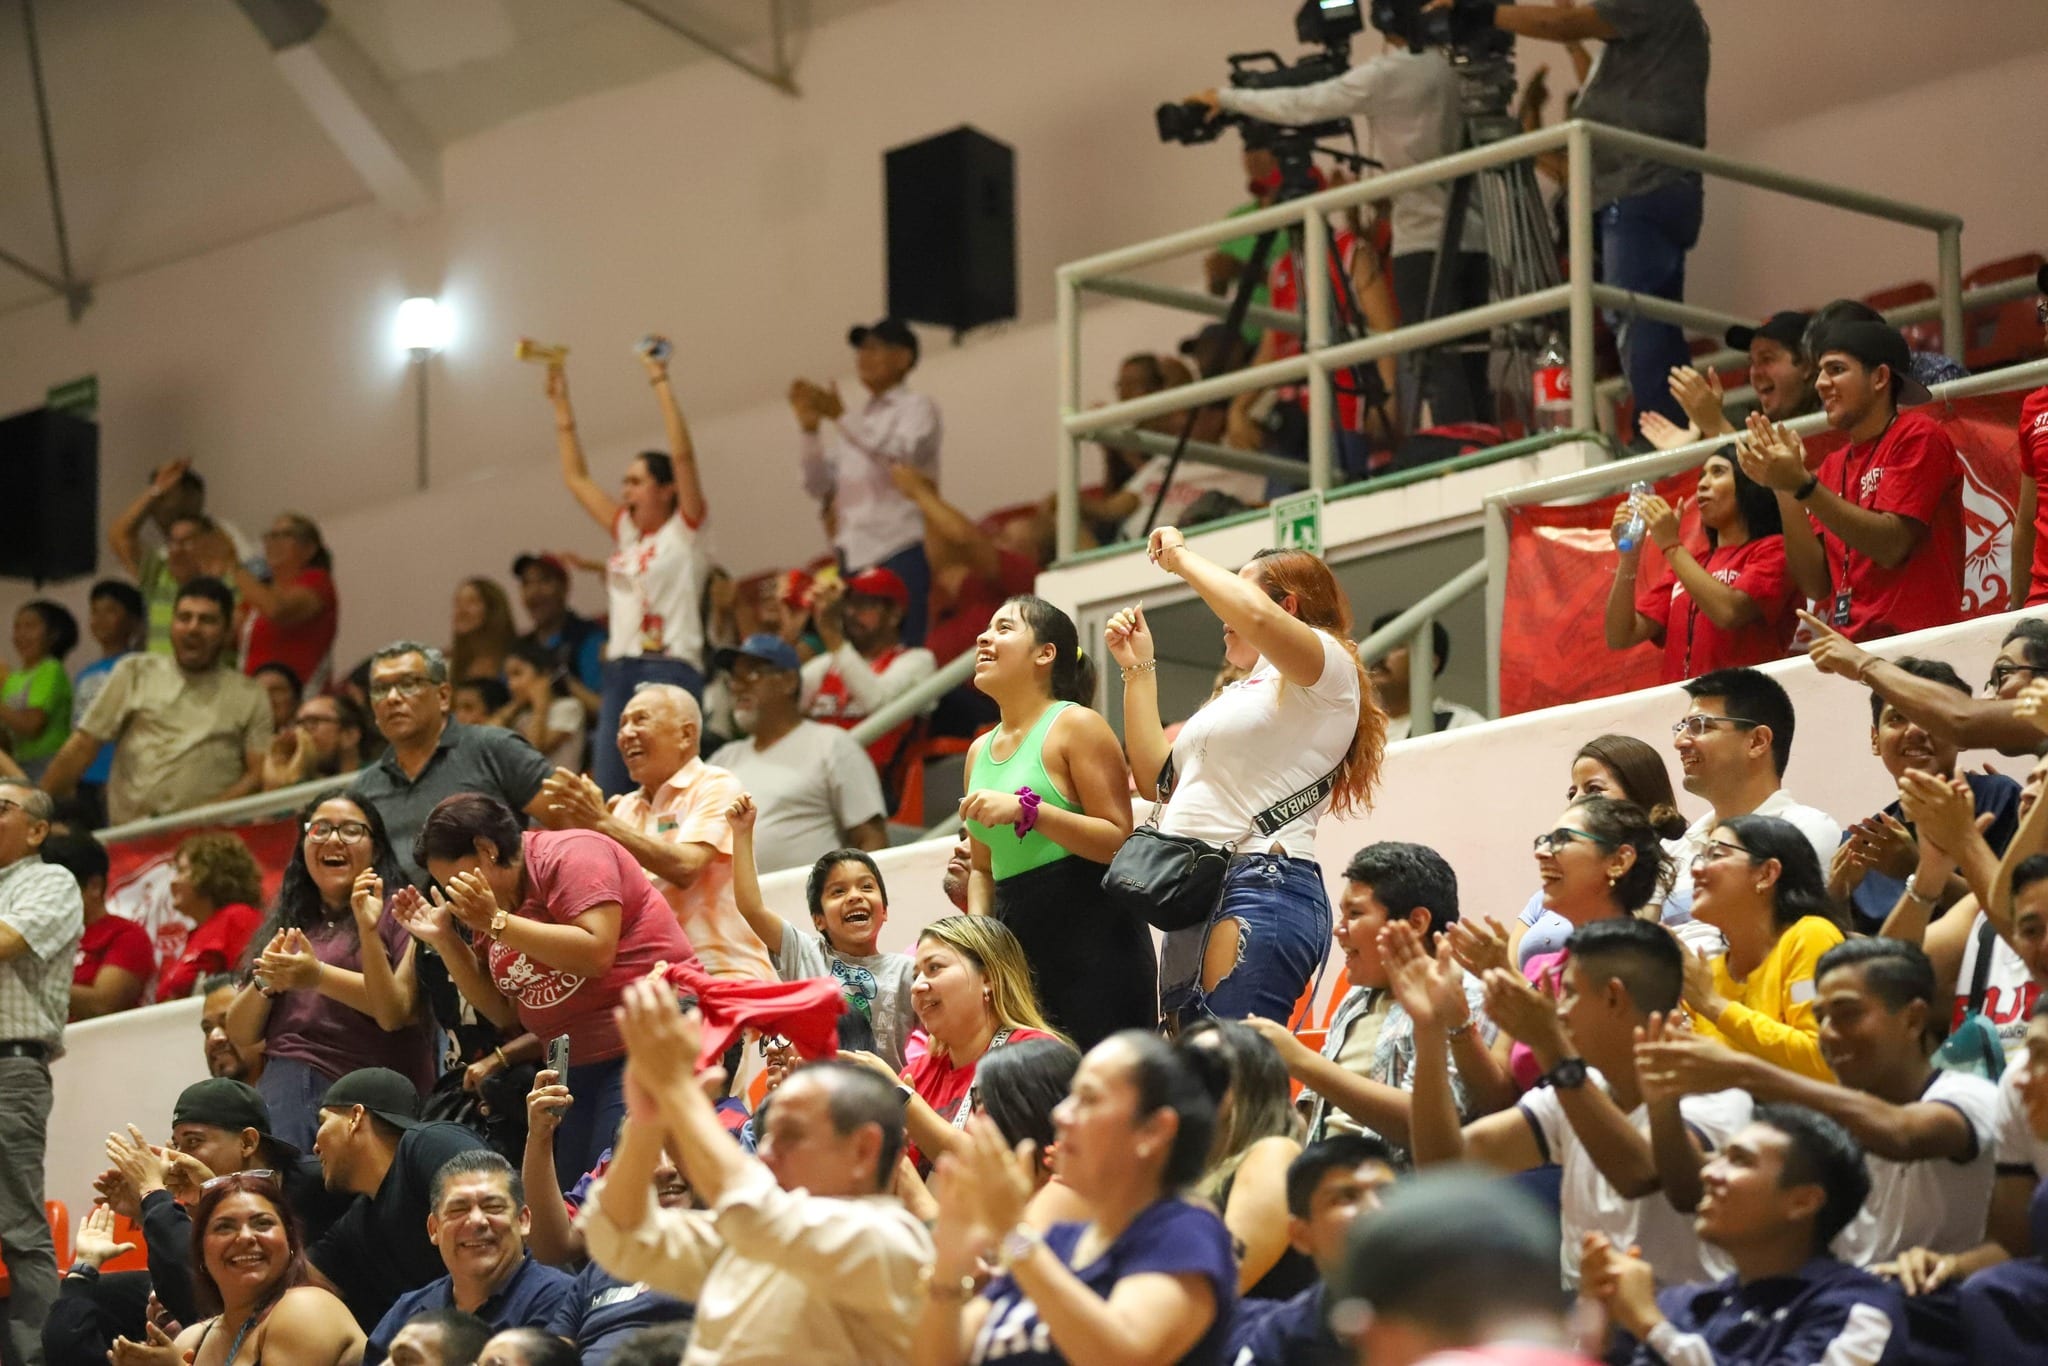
[{"x": 1770, "y": 1015}]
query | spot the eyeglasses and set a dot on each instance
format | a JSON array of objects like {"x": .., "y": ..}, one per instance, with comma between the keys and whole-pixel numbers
[
  {"x": 1699, "y": 723},
  {"x": 349, "y": 832},
  {"x": 408, "y": 685},
  {"x": 2002, "y": 672},
  {"x": 1552, "y": 841},
  {"x": 259, "y": 1173},
  {"x": 1716, "y": 850}
]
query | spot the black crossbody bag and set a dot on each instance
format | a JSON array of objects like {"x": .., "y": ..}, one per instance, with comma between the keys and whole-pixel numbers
[{"x": 1173, "y": 882}]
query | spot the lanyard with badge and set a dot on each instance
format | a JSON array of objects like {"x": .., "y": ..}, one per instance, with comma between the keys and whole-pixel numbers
[{"x": 1838, "y": 616}]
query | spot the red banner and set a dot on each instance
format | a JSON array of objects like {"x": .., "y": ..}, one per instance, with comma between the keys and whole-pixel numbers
[
  {"x": 139, "y": 882},
  {"x": 1553, "y": 646}
]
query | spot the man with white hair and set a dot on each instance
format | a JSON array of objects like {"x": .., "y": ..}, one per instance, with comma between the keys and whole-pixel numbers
[
  {"x": 42, "y": 918},
  {"x": 673, "y": 823}
]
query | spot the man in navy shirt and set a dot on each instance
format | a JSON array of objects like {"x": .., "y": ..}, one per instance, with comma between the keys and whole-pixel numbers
[
  {"x": 479, "y": 1222},
  {"x": 1329, "y": 1186},
  {"x": 1878, "y": 853},
  {"x": 1772, "y": 1199},
  {"x": 601, "y": 1312}
]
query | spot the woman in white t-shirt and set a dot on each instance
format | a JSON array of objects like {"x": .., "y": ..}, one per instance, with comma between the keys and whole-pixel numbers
[
  {"x": 1300, "y": 728},
  {"x": 656, "y": 571}
]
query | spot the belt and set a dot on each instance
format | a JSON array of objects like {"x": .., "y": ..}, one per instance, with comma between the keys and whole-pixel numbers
[{"x": 25, "y": 1048}]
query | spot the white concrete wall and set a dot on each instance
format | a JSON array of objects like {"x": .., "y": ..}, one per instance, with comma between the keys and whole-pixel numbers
[{"x": 1477, "y": 795}]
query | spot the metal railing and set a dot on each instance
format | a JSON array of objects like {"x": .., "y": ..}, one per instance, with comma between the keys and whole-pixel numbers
[
  {"x": 1583, "y": 485},
  {"x": 1416, "y": 628},
  {"x": 235, "y": 811},
  {"x": 1318, "y": 358}
]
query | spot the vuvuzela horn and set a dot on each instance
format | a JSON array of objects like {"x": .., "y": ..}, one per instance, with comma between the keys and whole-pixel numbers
[{"x": 530, "y": 350}]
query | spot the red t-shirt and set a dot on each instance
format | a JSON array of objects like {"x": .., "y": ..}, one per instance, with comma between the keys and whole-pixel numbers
[
  {"x": 1693, "y": 645},
  {"x": 955, "y": 623},
  {"x": 113, "y": 942},
  {"x": 1911, "y": 470},
  {"x": 301, "y": 647},
  {"x": 1281, "y": 291},
  {"x": 214, "y": 947},
  {"x": 943, "y": 1086},
  {"x": 572, "y": 871},
  {"x": 2034, "y": 464}
]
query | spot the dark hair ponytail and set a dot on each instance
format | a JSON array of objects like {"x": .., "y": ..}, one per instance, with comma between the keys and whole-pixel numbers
[{"x": 1073, "y": 673}]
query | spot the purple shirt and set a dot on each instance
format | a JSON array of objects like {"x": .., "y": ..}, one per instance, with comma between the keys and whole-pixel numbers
[{"x": 335, "y": 1039}]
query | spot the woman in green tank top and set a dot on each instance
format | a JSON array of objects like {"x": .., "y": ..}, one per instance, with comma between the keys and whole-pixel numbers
[{"x": 1037, "y": 866}]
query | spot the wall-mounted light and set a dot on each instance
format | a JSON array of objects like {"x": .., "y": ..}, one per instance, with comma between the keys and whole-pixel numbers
[{"x": 422, "y": 327}]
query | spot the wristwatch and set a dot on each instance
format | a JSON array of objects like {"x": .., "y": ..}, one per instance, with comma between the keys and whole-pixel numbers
[
  {"x": 1568, "y": 1075},
  {"x": 1016, "y": 1245},
  {"x": 1805, "y": 490},
  {"x": 498, "y": 919}
]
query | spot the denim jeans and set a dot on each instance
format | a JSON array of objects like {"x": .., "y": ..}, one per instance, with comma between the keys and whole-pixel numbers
[
  {"x": 1643, "y": 242},
  {"x": 293, "y": 1091},
  {"x": 591, "y": 1123},
  {"x": 621, "y": 677},
  {"x": 909, "y": 564},
  {"x": 1282, "y": 912}
]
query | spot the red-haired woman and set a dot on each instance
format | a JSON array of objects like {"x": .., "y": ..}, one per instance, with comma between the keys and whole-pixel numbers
[
  {"x": 1256, "y": 768},
  {"x": 249, "y": 1265}
]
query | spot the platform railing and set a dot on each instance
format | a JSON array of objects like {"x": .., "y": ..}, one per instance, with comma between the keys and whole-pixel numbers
[{"x": 1107, "y": 272}]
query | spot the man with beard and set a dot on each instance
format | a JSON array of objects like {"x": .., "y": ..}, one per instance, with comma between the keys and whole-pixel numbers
[
  {"x": 222, "y": 1058},
  {"x": 816, "y": 788},
  {"x": 865, "y": 664}
]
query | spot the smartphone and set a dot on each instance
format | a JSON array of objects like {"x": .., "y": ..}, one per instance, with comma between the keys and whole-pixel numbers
[{"x": 558, "y": 1057}]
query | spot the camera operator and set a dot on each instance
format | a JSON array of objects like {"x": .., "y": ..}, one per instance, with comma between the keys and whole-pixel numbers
[
  {"x": 1650, "y": 78},
  {"x": 1409, "y": 96}
]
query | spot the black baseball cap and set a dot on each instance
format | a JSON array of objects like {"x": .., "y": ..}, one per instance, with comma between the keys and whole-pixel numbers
[
  {"x": 379, "y": 1090},
  {"x": 1875, "y": 344},
  {"x": 224, "y": 1103},
  {"x": 1787, "y": 328},
  {"x": 894, "y": 331},
  {"x": 1450, "y": 1218},
  {"x": 544, "y": 560}
]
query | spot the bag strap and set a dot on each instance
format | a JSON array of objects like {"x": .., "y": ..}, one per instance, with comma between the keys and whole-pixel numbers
[
  {"x": 1280, "y": 813},
  {"x": 1980, "y": 979},
  {"x": 965, "y": 1110}
]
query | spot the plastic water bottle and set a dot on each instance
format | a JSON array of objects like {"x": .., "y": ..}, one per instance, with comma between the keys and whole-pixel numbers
[
  {"x": 1632, "y": 534},
  {"x": 1553, "y": 388}
]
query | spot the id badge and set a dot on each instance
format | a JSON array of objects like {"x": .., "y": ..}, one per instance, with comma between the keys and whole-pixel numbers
[{"x": 1839, "y": 617}]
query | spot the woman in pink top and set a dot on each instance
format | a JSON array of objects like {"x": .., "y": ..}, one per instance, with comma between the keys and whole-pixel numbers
[
  {"x": 561, "y": 921},
  {"x": 1602, "y": 859}
]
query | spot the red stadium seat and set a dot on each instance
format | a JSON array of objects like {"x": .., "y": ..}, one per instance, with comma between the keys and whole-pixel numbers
[
  {"x": 2007, "y": 333},
  {"x": 1920, "y": 336}
]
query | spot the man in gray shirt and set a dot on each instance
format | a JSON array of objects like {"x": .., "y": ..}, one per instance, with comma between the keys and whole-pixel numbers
[
  {"x": 1651, "y": 78},
  {"x": 1410, "y": 101}
]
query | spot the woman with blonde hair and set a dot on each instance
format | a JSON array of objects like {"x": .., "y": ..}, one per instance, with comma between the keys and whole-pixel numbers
[
  {"x": 972, "y": 995},
  {"x": 483, "y": 629},
  {"x": 1258, "y": 1135},
  {"x": 1254, "y": 770}
]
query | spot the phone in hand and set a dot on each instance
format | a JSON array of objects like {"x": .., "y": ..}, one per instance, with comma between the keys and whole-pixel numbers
[{"x": 558, "y": 1057}]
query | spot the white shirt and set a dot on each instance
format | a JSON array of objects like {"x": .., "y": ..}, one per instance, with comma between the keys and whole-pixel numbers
[
  {"x": 1412, "y": 102},
  {"x": 812, "y": 786},
  {"x": 2016, "y": 1147},
  {"x": 850, "y": 464},
  {"x": 1822, "y": 831},
  {"x": 2009, "y": 989},
  {"x": 656, "y": 583},
  {"x": 863, "y": 689},
  {"x": 1459, "y": 716},
  {"x": 1937, "y": 1204},
  {"x": 1259, "y": 741},
  {"x": 1191, "y": 482},
  {"x": 1590, "y": 1204}
]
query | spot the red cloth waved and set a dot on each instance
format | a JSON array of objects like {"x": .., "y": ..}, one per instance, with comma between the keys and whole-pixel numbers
[{"x": 804, "y": 1012}]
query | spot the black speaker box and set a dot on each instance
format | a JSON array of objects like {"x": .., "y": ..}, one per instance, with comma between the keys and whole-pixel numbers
[
  {"x": 952, "y": 227},
  {"x": 49, "y": 496}
]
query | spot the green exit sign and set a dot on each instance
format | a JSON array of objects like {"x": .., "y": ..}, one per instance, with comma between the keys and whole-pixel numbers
[
  {"x": 1298, "y": 522},
  {"x": 79, "y": 397}
]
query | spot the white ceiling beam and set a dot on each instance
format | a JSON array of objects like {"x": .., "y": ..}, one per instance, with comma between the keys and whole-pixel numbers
[{"x": 356, "y": 108}]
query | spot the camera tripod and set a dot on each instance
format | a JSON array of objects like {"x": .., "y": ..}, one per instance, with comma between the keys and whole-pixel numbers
[
  {"x": 1521, "y": 247},
  {"x": 1294, "y": 156}
]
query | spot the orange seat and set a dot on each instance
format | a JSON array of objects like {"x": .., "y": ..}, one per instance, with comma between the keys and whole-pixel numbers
[
  {"x": 1303, "y": 1024},
  {"x": 60, "y": 1237}
]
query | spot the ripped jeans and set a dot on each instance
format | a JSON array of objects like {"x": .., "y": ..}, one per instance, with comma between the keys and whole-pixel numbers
[{"x": 1282, "y": 913}]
